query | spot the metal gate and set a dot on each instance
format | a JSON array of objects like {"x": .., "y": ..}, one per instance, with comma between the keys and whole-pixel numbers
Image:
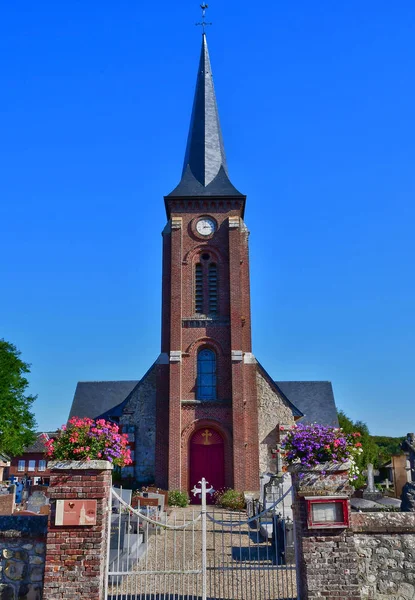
[{"x": 200, "y": 555}]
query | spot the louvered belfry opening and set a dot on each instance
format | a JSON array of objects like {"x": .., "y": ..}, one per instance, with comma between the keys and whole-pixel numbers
[
  {"x": 199, "y": 289},
  {"x": 213, "y": 289}
]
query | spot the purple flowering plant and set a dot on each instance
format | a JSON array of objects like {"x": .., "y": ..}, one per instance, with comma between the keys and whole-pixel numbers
[{"x": 311, "y": 445}]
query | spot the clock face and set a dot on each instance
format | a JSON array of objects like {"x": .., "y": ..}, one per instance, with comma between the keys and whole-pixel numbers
[{"x": 206, "y": 226}]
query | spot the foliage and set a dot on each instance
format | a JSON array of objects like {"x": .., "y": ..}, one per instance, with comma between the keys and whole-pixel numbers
[
  {"x": 370, "y": 450},
  {"x": 387, "y": 447},
  {"x": 230, "y": 499},
  {"x": 86, "y": 439},
  {"x": 377, "y": 450},
  {"x": 17, "y": 422},
  {"x": 310, "y": 445},
  {"x": 178, "y": 498}
]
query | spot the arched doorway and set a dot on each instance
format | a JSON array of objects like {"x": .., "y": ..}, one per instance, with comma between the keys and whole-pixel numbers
[{"x": 207, "y": 459}]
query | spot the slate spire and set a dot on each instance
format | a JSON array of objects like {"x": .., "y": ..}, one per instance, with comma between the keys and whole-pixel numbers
[{"x": 205, "y": 171}]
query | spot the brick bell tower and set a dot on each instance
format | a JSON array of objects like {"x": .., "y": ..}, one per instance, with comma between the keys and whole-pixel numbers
[{"x": 206, "y": 408}]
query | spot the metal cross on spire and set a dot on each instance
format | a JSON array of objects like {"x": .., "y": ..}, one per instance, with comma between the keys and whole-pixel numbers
[{"x": 203, "y": 23}]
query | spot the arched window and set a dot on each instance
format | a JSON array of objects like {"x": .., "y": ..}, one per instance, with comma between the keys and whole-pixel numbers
[
  {"x": 198, "y": 289},
  {"x": 206, "y": 375},
  {"x": 213, "y": 289}
]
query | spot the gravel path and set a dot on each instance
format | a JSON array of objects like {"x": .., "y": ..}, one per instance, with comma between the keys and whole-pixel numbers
[{"x": 239, "y": 563}]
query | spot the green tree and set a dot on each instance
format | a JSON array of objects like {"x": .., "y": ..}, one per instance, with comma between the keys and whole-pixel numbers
[
  {"x": 370, "y": 449},
  {"x": 17, "y": 422},
  {"x": 388, "y": 447}
]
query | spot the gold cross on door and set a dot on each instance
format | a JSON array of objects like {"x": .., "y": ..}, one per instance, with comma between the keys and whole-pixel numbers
[{"x": 206, "y": 435}]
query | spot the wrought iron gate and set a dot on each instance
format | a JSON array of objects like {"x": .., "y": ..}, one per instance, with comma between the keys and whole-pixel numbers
[{"x": 200, "y": 554}]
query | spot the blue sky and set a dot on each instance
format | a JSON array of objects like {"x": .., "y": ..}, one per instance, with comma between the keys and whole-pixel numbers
[{"x": 317, "y": 110}]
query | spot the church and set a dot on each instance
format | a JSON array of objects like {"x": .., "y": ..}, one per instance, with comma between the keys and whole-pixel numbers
[{"x": 206, "y": 406}]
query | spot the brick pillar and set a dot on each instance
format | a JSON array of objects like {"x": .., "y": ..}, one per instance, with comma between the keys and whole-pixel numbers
[
  {"x": 326, "y": 558},
  {"x": 76, "y": 554},
  {"x": 175, "y": 357}
]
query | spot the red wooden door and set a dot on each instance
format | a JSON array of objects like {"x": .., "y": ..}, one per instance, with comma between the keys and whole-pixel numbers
[{"x": 207, "y": 459}]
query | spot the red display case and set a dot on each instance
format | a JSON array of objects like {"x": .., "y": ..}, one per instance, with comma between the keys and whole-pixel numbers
[{"x": 327, "y": 512}]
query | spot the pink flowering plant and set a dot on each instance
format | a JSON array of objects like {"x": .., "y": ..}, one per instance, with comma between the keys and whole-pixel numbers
[
  {"x": 311, "y": 445},
  {"x": 86, "y": 439}
]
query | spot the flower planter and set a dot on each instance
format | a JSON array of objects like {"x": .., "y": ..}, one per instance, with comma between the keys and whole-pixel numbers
[
  {"x": 324, "y": 479},
  {"x": 80, "y": 465}
]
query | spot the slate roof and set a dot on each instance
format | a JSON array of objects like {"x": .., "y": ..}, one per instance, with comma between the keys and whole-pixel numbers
[
  {"x": 117, "y": 410},
  {"x": 315, "y": 399},
  {"x": 205, "y": 171},
  {"x": 311, "y": 400},
  {"x": 38, "y": 446},
  {"x": 94, "y": 398}
]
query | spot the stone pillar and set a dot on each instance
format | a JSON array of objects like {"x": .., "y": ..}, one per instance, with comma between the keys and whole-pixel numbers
[
  {"x": 76, "y": 553},
  {"x": 326, "y": 558}
]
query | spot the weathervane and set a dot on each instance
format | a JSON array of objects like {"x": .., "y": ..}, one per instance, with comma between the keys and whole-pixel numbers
[{"x": 203, "y": 22}]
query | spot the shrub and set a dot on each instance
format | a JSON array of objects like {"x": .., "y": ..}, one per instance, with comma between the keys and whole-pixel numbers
[
  {"x": 178, "y": 498},
  {"x": 230, "y": 499},
  {"x": 86, "y": 439}
]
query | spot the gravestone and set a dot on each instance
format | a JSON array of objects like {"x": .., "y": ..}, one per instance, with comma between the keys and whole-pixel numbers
[
  {"x": 364, "y": 505},
  {"x": 125, "y": 494},
  {"x": 370, "y": 493},
  {"x": 6, "y": 505},
  {"x": 36, "y": 502},
  {"x": 159, "y": 497}
]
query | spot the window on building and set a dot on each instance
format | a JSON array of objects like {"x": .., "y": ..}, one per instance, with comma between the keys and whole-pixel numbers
[
  {"x": 199, "y": 288},
  {"x": 213, "y": 289},
  {"x": 32, "y": 465},
  {"x": 22, "y": 465},
  {"x": 206, "y": 375},
  {"x": 42, "y": 465}
]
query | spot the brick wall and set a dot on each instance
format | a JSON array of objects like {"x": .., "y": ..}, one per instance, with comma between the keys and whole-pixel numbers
[
  {"x": 22, "y": 556},
  {"x": 76, "y": 555},
  {"x": 183, "y": 332},
  {"x": 28, "y": 456}
]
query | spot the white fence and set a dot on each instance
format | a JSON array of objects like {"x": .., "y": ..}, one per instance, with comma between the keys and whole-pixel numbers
[{"x": 199, "y": 554}]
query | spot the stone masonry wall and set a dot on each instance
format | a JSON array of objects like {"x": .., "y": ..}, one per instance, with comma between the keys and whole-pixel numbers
[
  {"x": 373, "y": 558},
  {"x": 22, "y": 557},
  {"x": 385, "y": 545},
  {"x": 140, "y": 412},
  {"x": 272, "y": 411}
]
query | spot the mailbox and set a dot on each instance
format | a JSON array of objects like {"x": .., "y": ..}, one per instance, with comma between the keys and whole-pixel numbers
[{"x": 327, "y": 512}]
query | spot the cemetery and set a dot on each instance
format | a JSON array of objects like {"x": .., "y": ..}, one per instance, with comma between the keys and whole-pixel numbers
[{"x": 282, "y": 542}]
